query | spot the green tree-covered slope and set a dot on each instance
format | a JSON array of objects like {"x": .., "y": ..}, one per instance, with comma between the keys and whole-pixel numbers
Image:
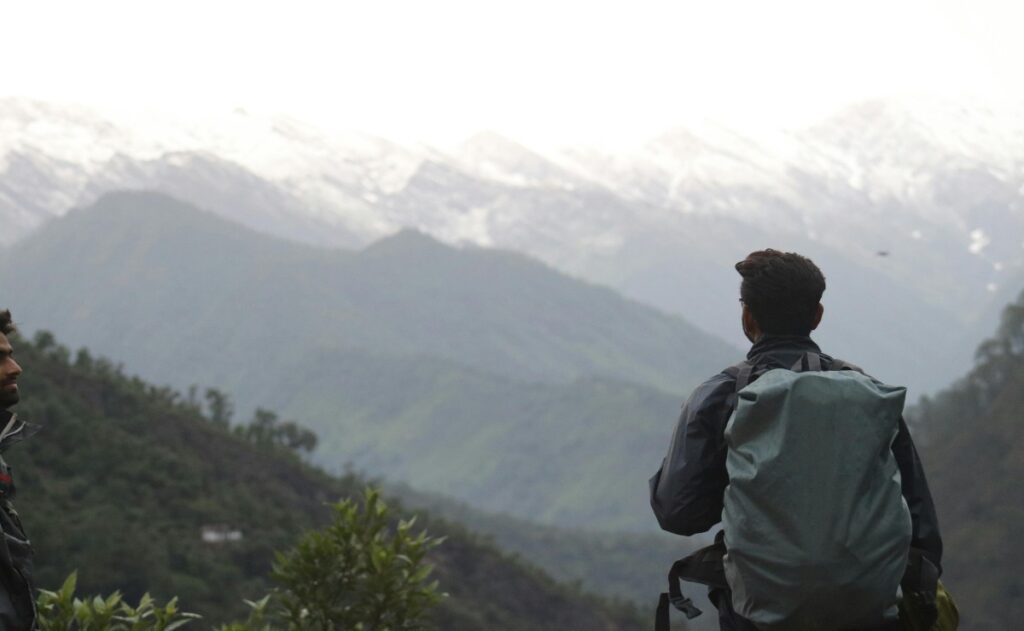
[
  {"x": 125, "y": 475},
  {"x": 576, "y": 454},
  {"x": 974, "y": 457},
  {"x": 618, "y": 565}
]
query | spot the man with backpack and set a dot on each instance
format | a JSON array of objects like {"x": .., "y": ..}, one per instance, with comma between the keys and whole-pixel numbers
[{"x": 810, "y": 468}]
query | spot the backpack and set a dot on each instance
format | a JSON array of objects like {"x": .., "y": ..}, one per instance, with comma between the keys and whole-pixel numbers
[{"x": 816, "y": 530}]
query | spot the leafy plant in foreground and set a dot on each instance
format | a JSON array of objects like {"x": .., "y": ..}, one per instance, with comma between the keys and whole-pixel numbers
[
  {"x": 357, "y": 573},
  {"x": 62, "y": 611}
]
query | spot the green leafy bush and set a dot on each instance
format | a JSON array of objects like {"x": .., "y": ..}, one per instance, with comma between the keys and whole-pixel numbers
[
  {"x": 357, "y": 573},
  {"x": 62, "y": 611}
]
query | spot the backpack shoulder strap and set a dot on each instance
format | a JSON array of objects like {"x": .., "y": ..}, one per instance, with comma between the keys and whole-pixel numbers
[
  {"x": 703, "y": 566},
  {"x": 742, "y": 373},
  {"x": 812, "y": 361},
  {"x": 808, "y": 362},
  {"x": 839, "y": 364}
]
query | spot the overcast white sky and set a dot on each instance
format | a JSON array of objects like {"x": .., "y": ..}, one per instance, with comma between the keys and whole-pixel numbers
[{"x": 544, "y": 72}]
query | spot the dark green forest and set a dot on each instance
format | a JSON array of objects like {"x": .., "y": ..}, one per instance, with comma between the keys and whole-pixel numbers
[
  {"x": 125, "y": 475},
  {"x": 971, "y": 437}
]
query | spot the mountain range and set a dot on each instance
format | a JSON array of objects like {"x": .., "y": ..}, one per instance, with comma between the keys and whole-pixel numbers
[
  {"x": 426, "y": 310},
  {"x": 912, "y": 208},
  {"x": 473, "y": 372}
]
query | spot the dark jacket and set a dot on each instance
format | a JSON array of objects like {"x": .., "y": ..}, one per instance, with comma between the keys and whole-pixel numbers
[
  {"x": 687, "y": 492},
  {"x": 17, "y": 593}
]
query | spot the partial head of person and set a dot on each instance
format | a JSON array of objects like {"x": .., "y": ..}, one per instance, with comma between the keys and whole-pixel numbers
[
  {"x": 781, "y": 294},
  {"x": 9, "y": 369}
]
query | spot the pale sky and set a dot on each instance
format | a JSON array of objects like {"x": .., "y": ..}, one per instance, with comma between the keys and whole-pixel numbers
[{"x": 544, "y": 72}]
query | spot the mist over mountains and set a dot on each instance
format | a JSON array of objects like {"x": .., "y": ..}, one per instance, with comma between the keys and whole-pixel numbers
[{"x": 913, "y": 210}]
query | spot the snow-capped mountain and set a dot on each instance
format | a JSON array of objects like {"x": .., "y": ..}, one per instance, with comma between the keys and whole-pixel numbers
[
  {"x": 916, "y": 204},
  {"x": 55, "y": 157},
  {"x": 936, "y": 186}
]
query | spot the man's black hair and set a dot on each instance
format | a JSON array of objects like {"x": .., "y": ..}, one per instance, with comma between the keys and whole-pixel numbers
[
  {"x": 782, "y": 290},
  {"x": 6, "y": 323}
]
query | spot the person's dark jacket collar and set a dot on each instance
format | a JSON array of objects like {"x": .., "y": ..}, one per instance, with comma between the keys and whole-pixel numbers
[{"x": 768, "y": 344}]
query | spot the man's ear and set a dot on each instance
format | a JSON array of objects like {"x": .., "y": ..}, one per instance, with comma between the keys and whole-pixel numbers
[
  {"x": 818, "y": 312},
  {"x": 750, "y": 326}
]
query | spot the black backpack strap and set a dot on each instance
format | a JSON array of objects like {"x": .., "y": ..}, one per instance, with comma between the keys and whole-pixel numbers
[
  {"x": 703, "y": 566},
  {"x": 742, "y": 373},
  {"x": 808, "y": 362},
  {"x": 674, "y": 596},
  {"x": 746, "y": 371},
  {"x": 661, "y": 617},
  {"x": 920, "y": 584},
  {"x": 813, "y": 362}
]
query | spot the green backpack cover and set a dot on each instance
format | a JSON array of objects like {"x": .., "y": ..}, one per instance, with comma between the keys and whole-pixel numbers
[{"x": 816, "y": 528}]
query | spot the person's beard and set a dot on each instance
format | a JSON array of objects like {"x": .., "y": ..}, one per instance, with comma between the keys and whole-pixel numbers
[{"x": 8, "y": 399}]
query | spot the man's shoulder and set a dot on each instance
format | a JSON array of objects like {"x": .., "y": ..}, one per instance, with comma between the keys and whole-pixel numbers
[
  {"x": 714, "y": 391},
  {"x": 722, "y": 379}
]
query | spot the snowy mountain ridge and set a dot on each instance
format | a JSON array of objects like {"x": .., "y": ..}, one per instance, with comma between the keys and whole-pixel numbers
[
  {"x": 879, "y": 150},
  {"x": 924, "y": 199}
]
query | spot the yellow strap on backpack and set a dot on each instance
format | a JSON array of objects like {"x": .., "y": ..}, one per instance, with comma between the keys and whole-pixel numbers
[{"x": 913, "y": 618}]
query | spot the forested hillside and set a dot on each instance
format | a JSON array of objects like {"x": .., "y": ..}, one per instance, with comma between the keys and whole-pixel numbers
[
  {"x": 576, "y": 455},
  {"x": 974, "y": 455},
  {"x": 125, "y": 475},
  {"x": 616, "y": 564}
]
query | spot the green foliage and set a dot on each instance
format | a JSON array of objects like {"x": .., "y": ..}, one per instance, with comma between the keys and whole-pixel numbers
[
  {"x": 266, "y": 430},
  {"x": 358, "y": 573},
  {"x": 63, "y": 611},
  {"x": 617, "y": 565},
  {"x": 118, "y": 455},
  {"x": 974, "y": 456},
  {"x": 44, "y": 341},
  {"x": 83, "y": 359},
  {"x": 220, "y": 406},
  {"x": 125, "y": 474},
  {"x": 257, "y": 620},
  {"x": 997, "y": 361}
]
